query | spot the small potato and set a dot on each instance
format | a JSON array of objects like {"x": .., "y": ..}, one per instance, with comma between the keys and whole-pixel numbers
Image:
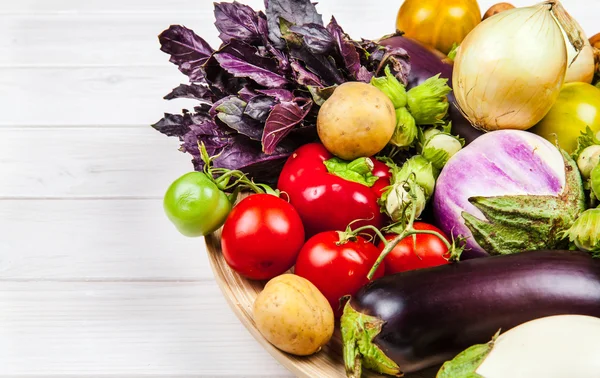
[
  {"x": 358, "y": 120},
  {"x": 293, "y": 315},
  {"x": 497, "y": 8}
]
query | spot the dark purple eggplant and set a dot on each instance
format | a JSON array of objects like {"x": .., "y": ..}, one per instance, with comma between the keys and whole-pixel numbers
[
  {"x": 413, "y": 320},
  {"x": 426, "y": 62}
]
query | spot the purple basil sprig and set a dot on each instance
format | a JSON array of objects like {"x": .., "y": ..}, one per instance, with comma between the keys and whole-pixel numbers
[{"x": 259, "y": 93}]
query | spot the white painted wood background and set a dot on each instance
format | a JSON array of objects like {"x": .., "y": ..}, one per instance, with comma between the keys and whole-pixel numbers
[{"x": 94, "y": 280}]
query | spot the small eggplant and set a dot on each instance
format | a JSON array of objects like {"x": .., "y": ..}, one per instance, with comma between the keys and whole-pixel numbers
[{"x": 413, "y": 320}]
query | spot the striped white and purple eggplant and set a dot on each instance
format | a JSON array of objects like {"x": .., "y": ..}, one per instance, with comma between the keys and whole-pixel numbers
[
  {"x": 413, "y": 320},
  {"x": 509, "y": 191}
]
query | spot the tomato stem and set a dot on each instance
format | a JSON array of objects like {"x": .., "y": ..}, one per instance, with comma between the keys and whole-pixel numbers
[
  {"x": 371, "y": 228},
  {"x": 408, "y": 231}
]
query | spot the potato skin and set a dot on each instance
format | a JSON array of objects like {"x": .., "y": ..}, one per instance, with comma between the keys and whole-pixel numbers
[
  {"x": 358, "y": 120},
  {"x": 293, "y": 315}
]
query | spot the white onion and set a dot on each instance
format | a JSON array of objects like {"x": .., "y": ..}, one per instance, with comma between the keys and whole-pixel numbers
[
  {"x": 582, "y": 69},
  {"x": 509, "y": 70}
]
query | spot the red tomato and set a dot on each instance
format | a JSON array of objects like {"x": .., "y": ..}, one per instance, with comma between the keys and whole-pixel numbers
[
  {"x": 383, "y": 172},
  {"x": 416, "y": 252},
  {"x": 337, "y": 270},
  {"x": 262, "y": 237}
]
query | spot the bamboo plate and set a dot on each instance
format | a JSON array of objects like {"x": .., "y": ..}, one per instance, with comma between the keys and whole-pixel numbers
[{"x": 241, "y": 293}]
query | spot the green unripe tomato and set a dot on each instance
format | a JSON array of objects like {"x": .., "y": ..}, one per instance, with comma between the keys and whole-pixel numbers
[
  {"x": 195, "y": 205},
  {"x": 577, "y": 107}
]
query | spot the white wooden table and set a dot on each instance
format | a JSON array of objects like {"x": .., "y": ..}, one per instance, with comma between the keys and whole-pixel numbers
[{"x": 94, "y": 280}]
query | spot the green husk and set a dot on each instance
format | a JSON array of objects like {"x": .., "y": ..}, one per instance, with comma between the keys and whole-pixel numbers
[
  {"x": 518, "y": 223},
  {"x": 428, "y": 103},
  {"x": 393, "y": 89},
  {"x": 585, "y": 232},
  {"x": 358, "y": 331},
  {"x": 406, "y": 129},
  {"x": 465, "y": 365}
]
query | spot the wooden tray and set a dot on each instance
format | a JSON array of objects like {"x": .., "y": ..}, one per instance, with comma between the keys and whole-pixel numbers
[{"x": 241, "y": 293}]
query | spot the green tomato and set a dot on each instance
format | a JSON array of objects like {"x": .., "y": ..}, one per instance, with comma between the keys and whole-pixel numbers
[
  {"x": 195, "y": 205},
  {"x": 578, "y": 106}
]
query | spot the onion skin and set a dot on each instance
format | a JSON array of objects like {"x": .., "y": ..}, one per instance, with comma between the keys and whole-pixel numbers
[
  {"x": 505, "y": 164},
  {"x": 430, "y": 315},
  {"x": 503, "y": 78},
  {"x": 582, "y": 69},
  {"x": 425, "y": 63}
]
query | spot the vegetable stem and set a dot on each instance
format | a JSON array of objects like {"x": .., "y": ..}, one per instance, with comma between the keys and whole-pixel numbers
[{"x": 567, "y": 23}]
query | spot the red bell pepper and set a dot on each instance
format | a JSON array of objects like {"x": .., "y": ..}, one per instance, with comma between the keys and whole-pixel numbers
[{"x": 331, "y": 201}]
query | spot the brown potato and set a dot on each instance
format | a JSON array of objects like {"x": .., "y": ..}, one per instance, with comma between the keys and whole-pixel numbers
[
  {"x": 358, "y": 120},
  {"x": 293, "y": 315},
  {"x": 497, "y": 8}
]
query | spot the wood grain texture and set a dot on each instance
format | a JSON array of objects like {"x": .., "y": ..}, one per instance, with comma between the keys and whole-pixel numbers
[
  {"x": 95, "y": 240},
  {"x": 94, "y": 281},
  {"x": 241, "y": 294},
  {"x": 89, "y": 96},
  {"x": 124, "y": 329},
  {"x": 88, "y": 162}
]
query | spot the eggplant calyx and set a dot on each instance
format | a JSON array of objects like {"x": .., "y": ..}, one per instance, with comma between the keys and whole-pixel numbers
[
  {"x": 358, "y": 332},
  {"x": 465, "y": 364},
  {"x": 528, "y": 222}
]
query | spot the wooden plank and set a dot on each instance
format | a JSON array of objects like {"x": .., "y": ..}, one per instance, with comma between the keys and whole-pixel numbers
[
  {"x": 92, "y": 240},
  {"x": 88, "y": 162},
  {"x": 66, "y": 39},
  {"x": 71, "y": 38},
  {"x": 74, "y": 40},
  {"x": 124, "y": 330},
  {"x": 100, "y": 96},
  {"x": 133, "y": 7}
]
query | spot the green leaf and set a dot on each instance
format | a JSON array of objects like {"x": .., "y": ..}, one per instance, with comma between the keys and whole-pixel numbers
[
  {"x": 518, "y": 223},
  {"x": 453, "y": 51},
  {"x": 585, "y": 140},
  {"x": 359, "y": 170},
  {"x": 465, "y": 364},
  {"x": 320, "y": 95}
]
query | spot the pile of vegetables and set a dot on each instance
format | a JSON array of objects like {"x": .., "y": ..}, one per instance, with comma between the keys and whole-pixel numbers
[{"x": 434, "y": 193}]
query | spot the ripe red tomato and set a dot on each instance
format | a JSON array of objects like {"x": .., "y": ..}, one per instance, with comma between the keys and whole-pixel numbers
[
  {"x": 262, "y": 237},
  {"x": 416, "y": 252},
  {"x": 337, "y": 270},
  {"x": 383, "y": 172}
]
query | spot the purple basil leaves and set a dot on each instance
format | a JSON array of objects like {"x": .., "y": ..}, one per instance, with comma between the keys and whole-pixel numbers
[
  {"x": 187, "y": 50},
  {"x": 282, "y": 120},
  {"x": 259, "y": 93},
  {"x": 237, "y": 21}
]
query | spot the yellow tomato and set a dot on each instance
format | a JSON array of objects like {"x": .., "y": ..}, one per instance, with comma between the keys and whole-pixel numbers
[
  {"x": 577, "y": 107},
  {"x": 438, "y": 23}
]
